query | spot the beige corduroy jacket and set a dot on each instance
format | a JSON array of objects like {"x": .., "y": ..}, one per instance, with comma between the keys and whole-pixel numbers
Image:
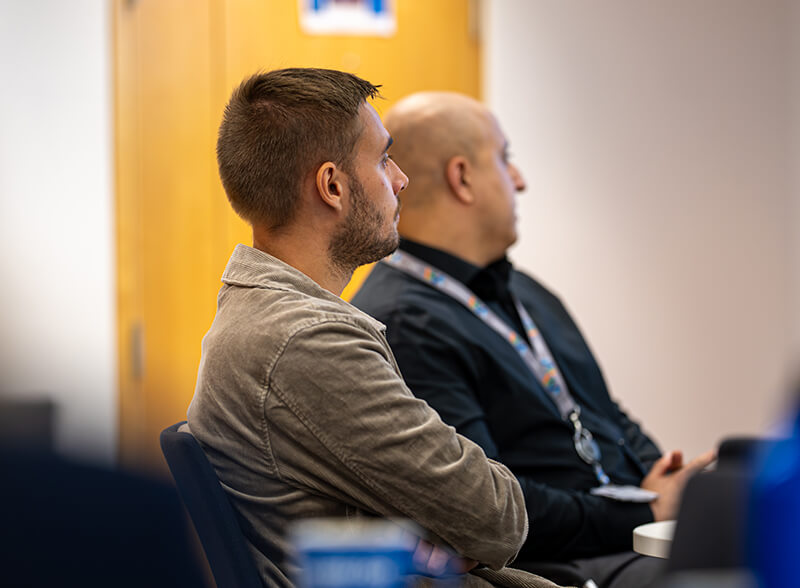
[{"x": 302, "y": 411}]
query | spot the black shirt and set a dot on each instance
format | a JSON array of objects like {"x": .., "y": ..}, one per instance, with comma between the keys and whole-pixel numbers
[{"x": 479, "y": 384}]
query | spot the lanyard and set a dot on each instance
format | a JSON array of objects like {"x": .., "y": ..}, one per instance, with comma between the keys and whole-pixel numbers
[{"x": 536, "y": 356}]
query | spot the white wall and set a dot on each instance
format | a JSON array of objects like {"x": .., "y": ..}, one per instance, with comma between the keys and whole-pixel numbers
[
  {"x": 57, "y": 311},
  {"x": 662, "y": 197}
]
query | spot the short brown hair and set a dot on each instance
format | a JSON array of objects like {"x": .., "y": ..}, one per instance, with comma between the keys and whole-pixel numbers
[{"x": 280, "y": 125}]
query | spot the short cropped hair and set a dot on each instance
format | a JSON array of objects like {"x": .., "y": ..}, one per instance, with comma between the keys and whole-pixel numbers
[{"x": 280, "y": 125}]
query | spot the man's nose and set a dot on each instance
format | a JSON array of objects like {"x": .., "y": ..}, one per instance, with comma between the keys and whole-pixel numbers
[
  {"x": 401, "y": 179},
  {"x": 519, "y": 181}
]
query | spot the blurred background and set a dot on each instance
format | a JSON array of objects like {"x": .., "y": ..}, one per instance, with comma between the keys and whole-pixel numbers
[{"x": 659, "y": 141}]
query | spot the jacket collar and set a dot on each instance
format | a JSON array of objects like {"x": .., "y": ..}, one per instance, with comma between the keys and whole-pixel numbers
[{"x": 252, "y": 268}]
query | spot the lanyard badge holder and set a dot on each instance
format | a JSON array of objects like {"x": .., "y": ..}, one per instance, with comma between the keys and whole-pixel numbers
[
  {"x": 589, "y": 452},
  {"x": 540, "y": 363},
  {"x": 587, "y": 447}
]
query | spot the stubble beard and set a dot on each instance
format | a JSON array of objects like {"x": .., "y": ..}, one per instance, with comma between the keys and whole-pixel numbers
[{"x": 359, "y": 240}]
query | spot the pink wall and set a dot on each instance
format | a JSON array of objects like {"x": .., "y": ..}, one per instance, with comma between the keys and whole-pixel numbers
[{"x": 663, "y": 195}]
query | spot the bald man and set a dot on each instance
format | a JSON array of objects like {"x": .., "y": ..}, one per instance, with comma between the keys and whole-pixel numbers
[{"x": 500, "y": 358}]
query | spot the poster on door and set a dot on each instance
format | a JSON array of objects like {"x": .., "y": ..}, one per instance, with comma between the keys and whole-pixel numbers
[{"x": 348, "y": 17}]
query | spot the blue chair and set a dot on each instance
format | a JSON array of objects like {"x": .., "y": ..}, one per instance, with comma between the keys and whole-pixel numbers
[{"x": 211, "y": 512}]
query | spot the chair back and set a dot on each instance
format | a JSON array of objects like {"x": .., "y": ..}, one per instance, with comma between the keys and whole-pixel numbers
[
  {"x": 742, "y": 452},
  {"x": 211, "y": 512},
  {"x": 710, "y": 530}
]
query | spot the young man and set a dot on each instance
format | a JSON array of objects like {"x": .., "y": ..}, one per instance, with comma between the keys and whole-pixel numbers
[
  {"x": 299, "y": 404},
  {"x": 499, "y": 357}
]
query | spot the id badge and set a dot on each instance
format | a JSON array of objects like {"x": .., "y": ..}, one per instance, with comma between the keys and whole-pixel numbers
[{"x": 624, "y": 493}]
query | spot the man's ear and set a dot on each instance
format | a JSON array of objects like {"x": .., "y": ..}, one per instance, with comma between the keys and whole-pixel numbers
[
  {"x": 330, "y": 184},
  {"x": 458, "y": 173}
]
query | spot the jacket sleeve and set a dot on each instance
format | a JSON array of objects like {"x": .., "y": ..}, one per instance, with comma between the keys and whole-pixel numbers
[
  {"x": 573, "y": 524},
  {"x": 642, "y": 445},
  {"x": 340, "y": 421}
]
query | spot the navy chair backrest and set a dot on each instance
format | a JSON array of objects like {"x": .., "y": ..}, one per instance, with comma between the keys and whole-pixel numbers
[
  {"x": 211, "y": 512},
  {"x": 741, "y": 452},
  {"x": 710, "y": 532},
  {"x": 71, "y": 523}
]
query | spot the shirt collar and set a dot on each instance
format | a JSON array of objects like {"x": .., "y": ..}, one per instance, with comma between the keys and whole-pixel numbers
[
  {"x": 488, "y": 283},
  {"x": 455, "y": 267}
]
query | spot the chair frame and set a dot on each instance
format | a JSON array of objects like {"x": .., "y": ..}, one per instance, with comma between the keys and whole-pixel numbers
[{"x": 210, "y": 510}]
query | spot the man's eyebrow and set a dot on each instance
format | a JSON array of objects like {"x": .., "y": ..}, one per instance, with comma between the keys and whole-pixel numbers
[{"x": 388, "y": 144}]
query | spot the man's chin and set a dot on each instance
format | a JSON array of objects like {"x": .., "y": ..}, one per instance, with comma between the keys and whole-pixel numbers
[
  {"x": 379, "y": 250},
  {"x": 513, "y": 238},
  {"x": 390, "y": 246},
  {"x": 395, "y": 243}
]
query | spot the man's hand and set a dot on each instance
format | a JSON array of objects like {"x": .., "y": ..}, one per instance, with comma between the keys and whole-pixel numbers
[
  {"x": 435, "y": 560},
  {"x": 668, "y": 477}
]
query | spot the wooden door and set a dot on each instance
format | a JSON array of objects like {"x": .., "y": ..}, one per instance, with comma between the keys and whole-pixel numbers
[
  {"x": 176, "y": 62},
  {"x": 171, "y": 245}
]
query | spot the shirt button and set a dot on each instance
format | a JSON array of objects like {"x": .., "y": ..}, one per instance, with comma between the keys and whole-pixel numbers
[{"x": 620, "y": 441}]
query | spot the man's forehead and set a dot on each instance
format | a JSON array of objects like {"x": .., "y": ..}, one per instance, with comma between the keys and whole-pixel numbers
[
  {"x": 373, "y": 129},
  {"x": 496, "y": 131}
]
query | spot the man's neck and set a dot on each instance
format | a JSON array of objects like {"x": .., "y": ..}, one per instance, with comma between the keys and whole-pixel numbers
[
  {"x": 305, "y": 255},
  {"x": 459, "y": 235}
]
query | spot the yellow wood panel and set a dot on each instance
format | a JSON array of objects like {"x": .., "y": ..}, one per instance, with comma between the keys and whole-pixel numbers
[
  {"x": 170, "y": 245},
  {"x": 432, "y": 49},
  {"x": 176, "y": 63},
  {"x": 128, "y": 145}
]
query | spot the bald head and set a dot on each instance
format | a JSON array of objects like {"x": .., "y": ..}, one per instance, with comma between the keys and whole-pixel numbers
[
  {"x": 429, "y": 129},
  {"x": 461, "y": 197}
]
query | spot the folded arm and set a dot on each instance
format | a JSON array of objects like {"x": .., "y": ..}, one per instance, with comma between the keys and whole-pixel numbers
[{"x": 366, "y": 440}]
